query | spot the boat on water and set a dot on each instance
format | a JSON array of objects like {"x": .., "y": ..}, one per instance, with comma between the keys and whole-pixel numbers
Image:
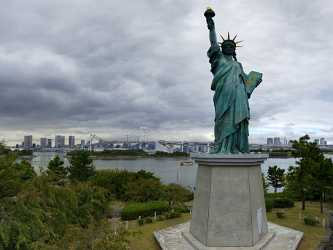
[{"x": 186, "y": 163}]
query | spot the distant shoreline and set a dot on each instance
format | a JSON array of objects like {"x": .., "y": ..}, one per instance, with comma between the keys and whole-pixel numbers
[{"x": 123, "y": 157}]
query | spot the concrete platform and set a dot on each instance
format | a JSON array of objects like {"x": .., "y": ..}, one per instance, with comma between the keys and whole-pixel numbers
[{"x": 278, "y": 238}]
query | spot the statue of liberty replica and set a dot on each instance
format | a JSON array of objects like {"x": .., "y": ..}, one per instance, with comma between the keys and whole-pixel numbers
[
  {"x": 232, "y": 89},
  {"x": 228, "y": 209}
]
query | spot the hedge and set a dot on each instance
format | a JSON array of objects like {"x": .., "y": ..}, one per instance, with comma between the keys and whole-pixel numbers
[
  {"x": 135, "y": 209},
  {"x": 283, "y": 203},
  {"x": 269, "y": 204}
]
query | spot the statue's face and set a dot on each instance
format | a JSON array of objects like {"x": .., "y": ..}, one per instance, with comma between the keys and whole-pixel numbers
[{"x": 228, "y": 48}]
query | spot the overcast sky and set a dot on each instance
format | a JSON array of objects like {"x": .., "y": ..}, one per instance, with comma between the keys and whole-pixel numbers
[{"x": 117, "y": 68}]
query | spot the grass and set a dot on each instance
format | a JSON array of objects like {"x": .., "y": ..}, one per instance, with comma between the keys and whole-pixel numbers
[
  {"x": 293, "y": 219},
  {"x": 144, "y": 239}
]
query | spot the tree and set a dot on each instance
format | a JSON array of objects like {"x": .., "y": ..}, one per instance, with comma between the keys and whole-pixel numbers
[
  {"x": 143, "y": 190},
  {"x": 264, "y": 183},
  {"x": 313, "y": 173},
  {"x": 14, "y": 175},
  {"x": 175, "y": 193},
  {"x": 81, "y": 167},
  {"x": 322, "y": 177},
  {"x": 56, "y": 167},
  {"x": 3, "y": 149},
  {"x": 275, "y": 177}
]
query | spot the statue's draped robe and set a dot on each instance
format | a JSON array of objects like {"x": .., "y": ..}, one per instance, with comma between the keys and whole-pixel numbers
[{"x": 232, "y": 89}]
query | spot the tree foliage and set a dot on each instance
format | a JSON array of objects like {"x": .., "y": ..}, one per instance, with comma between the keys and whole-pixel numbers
[
  {"x": 56, "y": 168},
  {"x": 81, "y": 167},
  {"x": 313, "y": 174},
  {"x": 275, "y": 177},
  {"x": 37, "y": 213}
]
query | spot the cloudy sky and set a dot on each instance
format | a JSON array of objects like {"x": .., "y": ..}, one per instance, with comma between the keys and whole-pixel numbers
[{"x": 117, "y": 68}]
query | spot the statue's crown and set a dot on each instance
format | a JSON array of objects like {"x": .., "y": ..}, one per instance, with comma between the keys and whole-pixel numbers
[{"x": 227, "y": 42}]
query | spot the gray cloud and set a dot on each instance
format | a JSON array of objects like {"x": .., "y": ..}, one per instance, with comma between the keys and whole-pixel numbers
[{"x": 111, "y": 68}]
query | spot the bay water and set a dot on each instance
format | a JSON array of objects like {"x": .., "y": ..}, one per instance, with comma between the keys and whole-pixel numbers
[{"x": 169, "y": 170}]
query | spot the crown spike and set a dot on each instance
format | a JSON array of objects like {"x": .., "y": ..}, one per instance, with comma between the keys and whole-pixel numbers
[
  {"x": 239, "y": 42},
  {"x": 234, "y": 37},
  {"x": 222, "y": 37},
  {"x": 238, "y": 46},
  {"x": 228, "y": 36}
]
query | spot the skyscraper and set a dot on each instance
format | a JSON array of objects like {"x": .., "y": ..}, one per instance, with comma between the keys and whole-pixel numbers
[
  {"x": 269, "y": 141},
  {"x": 277, "y": 141},
  {"x": 43, "y": 142},
  {"x": 59, "y": 141},
  {"x": 322, "y": 141},
  {"x": 28, "y": 141},
  {"x": 71, "y": 141},
  {"x": 49, "y": 143}
]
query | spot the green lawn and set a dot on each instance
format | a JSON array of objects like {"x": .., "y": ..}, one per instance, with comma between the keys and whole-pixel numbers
[
  {"x": 293, "y": 219},
  {"x": 312, "y": 234},
  {"x": 145, "y": 240}
]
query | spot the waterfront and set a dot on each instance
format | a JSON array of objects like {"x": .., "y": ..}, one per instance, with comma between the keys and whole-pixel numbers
[{"x": 168, "y": 169}]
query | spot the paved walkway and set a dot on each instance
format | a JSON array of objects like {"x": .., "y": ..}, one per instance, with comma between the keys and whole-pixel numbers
[{"x": 285, "y": 238}]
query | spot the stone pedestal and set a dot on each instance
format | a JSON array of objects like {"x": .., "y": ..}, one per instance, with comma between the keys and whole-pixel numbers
[{"x": 229, "y": 207}]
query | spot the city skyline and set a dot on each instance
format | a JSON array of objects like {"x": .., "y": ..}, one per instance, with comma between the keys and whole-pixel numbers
[
  {"x": 148, "y": 75},
  {"x": 59, "y": 141}
]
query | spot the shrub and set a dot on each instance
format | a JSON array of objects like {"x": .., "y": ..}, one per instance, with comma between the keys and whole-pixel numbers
[
  {"x": 174, "y": 193},
  {"x": 276, "y": 195},
  {"x": 310, "y": 220},
  {"x": 268, "y": 204},
  {"x": 283, "y": 203},
  {"x": 141, "y": 221},
  {"x": 133, "y": 210},
  {"x": 182, "y": 209},
  {"x": 280, "y": 214},
  {"x": 129, "y": 186}
]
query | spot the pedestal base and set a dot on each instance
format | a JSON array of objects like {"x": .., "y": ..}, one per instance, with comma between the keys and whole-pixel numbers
[
  {"x": 197, "y": 245},
  {"x": 229, "y": 207},
  {"x": 277, "y": 238}
]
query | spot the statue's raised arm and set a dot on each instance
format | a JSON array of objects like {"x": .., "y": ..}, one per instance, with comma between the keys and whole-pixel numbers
[
  {"x": 209, "y": 14},
  {"x": 214, "y": 53}
]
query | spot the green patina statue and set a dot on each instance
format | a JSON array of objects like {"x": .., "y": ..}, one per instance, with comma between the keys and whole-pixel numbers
[{"x": 232, "y": 89}]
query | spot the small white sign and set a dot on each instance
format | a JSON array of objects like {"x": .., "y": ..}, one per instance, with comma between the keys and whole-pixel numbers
[{"x": 259, "y": 220}]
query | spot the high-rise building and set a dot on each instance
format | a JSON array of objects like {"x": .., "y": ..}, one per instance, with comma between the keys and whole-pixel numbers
[
  {"x": 27, "y": 141},
  {"x": 269, "y": 141},
  {"x": 59, "y": 141},
  {"x": 83, "y": 143},
  {"x": 49, "y": 143},
  {"x": 71, "y": 141},
  {"x": 316, "y": 141},
  {"x": 43, "y": 142},
  {"x": 277, "y": 141},
  {"x": 322, "y": 141}
]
